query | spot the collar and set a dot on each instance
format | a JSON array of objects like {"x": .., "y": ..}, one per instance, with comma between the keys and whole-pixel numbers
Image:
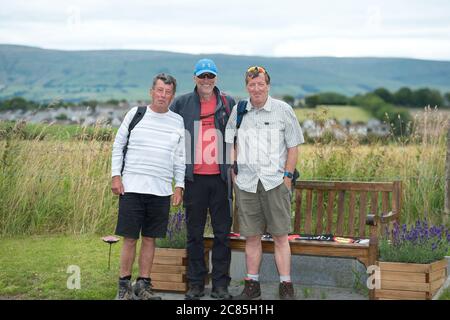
[{"x": 267, "y": 106}]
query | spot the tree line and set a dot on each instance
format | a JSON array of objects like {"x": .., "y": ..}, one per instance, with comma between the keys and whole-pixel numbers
[
  {"x": 404, "y": 97},
  {"x": 382, "y": 104}
]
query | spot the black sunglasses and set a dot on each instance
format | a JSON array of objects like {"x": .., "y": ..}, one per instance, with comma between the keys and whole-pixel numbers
[{"x": 206, "y": 75}]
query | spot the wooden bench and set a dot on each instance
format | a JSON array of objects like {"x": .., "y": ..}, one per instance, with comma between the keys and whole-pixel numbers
[{"x": 356, "y": 210}]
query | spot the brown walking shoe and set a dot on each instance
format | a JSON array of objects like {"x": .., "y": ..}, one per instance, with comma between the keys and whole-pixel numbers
[
  {"x": 252, "y": 291},
  {"x": 125, "y": 291},
  {"x": 286, "y": 291},
  {"x": 143, "y": 290}
]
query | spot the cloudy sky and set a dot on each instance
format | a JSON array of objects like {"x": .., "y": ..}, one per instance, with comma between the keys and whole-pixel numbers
[{"x": 345, "y": 28}]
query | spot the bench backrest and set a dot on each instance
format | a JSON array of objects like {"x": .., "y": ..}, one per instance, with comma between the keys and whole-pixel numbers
[{"x": 340, "y": 208}]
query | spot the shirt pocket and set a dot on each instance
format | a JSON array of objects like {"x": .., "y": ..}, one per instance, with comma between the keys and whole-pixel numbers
[
  {"x": 277, "y": 125},
  {"x": 273, "y": 130}
]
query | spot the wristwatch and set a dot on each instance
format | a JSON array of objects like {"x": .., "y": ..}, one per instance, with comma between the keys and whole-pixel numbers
[{"x": 288, "y": 174}]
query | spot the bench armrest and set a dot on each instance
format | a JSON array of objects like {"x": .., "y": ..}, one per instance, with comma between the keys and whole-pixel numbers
[{"x": 373, "y": 220}]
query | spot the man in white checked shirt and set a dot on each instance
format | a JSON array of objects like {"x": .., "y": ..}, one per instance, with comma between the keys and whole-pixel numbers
[{"x": 266, "y": 152}]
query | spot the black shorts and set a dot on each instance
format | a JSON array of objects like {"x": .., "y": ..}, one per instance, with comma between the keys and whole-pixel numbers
[{"x": 146, "y": 214}]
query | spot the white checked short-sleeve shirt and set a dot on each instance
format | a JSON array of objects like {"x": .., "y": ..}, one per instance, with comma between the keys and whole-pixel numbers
[{"x": 263, "y": 138}]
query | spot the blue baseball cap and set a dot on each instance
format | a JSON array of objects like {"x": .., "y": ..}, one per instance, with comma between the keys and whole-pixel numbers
[{"x": 205, "y": 65}]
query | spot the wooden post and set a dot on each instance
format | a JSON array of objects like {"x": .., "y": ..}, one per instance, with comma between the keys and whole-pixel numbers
[{"x": 446, "y": 218}]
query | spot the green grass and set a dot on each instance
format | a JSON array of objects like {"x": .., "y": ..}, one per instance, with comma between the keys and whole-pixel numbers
[
  {"x": 36, "y": 267},
  {"x": 354, "y": 114},
  {"x": 445, "y": 295}
]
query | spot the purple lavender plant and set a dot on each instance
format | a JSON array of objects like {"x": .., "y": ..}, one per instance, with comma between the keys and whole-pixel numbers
[
  {"x": 421, "y": 243},
  {"x": 176, "y": 231}
]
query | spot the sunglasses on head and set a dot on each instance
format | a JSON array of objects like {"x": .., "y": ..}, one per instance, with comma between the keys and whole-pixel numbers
[
  {"x": 206, "y": 75},
  {"x": 256, "y": 69}
]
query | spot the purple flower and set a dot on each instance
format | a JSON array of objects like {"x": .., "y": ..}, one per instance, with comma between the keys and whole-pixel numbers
[{"x": 434, "y": 246}]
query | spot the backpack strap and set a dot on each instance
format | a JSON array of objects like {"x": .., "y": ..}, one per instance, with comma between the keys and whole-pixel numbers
[
  {"x": 241, "y": 111},
  {"x": 136, "y": 118},
  {"x": 224, "y": 99}
]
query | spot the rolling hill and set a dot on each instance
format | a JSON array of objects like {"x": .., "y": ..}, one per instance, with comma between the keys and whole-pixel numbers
[{"x": 43, "y": 75}]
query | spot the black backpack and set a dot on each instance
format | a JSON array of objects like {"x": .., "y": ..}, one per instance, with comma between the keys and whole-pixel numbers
[
  {"x": 137, "y": 117},
  {"x": 241, "y": 111}
]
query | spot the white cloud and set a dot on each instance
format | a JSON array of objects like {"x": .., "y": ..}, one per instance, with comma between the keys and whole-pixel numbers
[{"x": 285, "y": 28}]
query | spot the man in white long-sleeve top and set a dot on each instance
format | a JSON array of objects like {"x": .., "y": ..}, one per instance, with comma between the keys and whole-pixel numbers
[{"x": 148, "y": 154}]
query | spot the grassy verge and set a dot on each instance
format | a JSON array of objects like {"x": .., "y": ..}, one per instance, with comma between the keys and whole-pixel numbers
[
  {"x": 445, "y": 295},
  {"x": 36, "y": 267}
]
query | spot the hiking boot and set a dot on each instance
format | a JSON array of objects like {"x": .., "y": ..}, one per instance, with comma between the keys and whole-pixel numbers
[
  {"x": 221, "y": 293},
  {"x": 195, "y": 292},
  {"x": 143, "y": 291},
  {"x": 286, "y": 291},
  {"x": 125, "y": 291},
  {"x": 252, "y": 291}
]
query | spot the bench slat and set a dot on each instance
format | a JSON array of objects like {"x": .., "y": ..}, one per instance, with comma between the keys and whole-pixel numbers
[
  {"x": 374, "y": 203},
  {"x": 298, "y": 210},
  {"x": 385, "y": 202},
  {"x": 330, "y": 209},
  {"x": 351, "y": 216},
  {"x": 319, "y": 223},
  {"x": 362, "y": 213},
  {"x": 308, "y": 211},
  {"x": 340, "y": 217}
]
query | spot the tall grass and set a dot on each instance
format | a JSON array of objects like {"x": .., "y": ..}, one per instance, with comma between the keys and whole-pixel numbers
[
  {"x": 55, "y": 186},
  {"x": 63, "y": 186},
  {"x": 416, "y": 158}
]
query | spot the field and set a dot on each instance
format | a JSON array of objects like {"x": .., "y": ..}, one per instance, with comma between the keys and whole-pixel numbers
[
  {"x": 352, "y": 113},
  {"x": 50, "y": 185}
]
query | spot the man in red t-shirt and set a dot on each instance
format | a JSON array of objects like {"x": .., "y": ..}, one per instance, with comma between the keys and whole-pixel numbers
[{"x": 205, "y": 112}]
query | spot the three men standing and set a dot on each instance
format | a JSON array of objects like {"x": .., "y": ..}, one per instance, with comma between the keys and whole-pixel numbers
[{"x": 265, "y": 149}]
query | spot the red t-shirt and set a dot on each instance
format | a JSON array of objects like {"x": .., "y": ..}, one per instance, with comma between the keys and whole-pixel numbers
[{"x": 206, "y": 152}]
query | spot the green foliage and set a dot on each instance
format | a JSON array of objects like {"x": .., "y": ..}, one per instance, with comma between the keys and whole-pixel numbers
[
  {"x": 397, "y": 118},
  {"x": 326, "y": 98},
  {"x": 425, "y": 96},
  {"x": 445, "y": 295},
  {"x": 385, "y": 94},
  {"x": 113, "y": 102},
  {"x": 288, "y": 99},
  {"x": 307, "y": 292},
  {"x": 312, "y": 101},
  {"x": 404, "y": 97},
  {"x": 447, "y": 98},
  {"x": 61, "y": 117}
]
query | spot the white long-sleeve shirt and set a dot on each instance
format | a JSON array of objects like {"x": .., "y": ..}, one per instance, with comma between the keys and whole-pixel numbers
[{"x": 156, "y": 153}]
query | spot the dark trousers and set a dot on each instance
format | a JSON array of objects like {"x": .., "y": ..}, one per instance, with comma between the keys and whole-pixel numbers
[{"x": 207, "y": 192}]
